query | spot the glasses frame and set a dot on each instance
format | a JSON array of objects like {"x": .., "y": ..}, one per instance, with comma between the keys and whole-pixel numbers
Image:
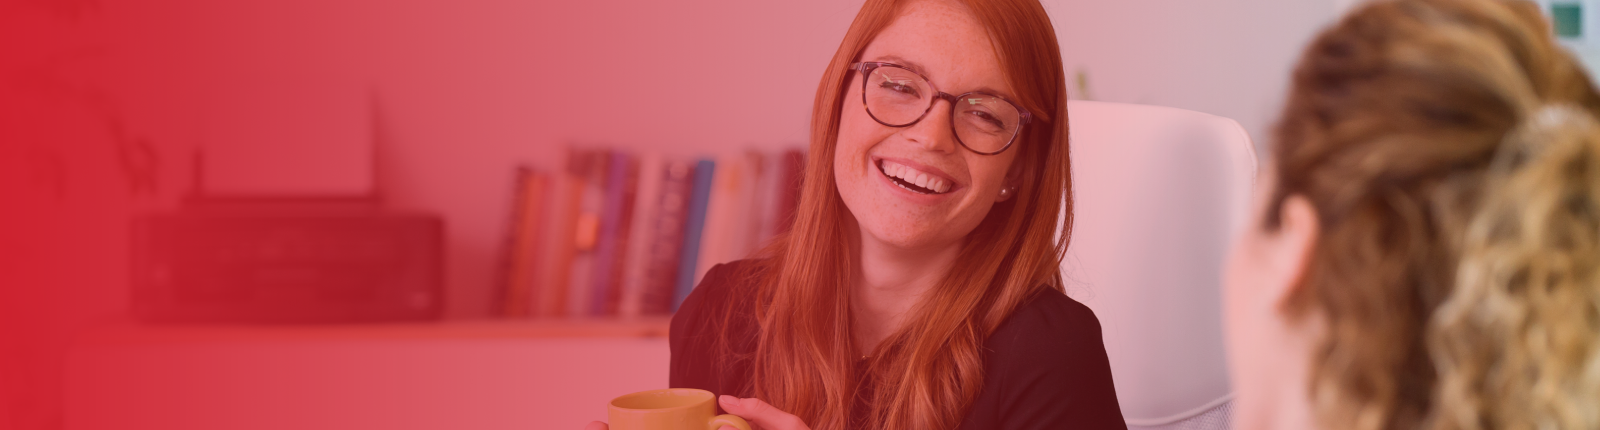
[{"x": 866, "y": 69}]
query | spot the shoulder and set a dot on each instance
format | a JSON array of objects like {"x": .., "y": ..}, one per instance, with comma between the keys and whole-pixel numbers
[
  {"x": 707, "y": 335},
  {"x": 703, "y": 312},
  {"x": 1049, "y": 336},
  {"x": 1046, "y": 367},
  {"x": 1048, "y": 322},
  {"x": 722, "y": 284}
]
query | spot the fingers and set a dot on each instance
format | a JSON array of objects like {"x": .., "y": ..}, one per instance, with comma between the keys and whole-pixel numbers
[
  {"x": 596, "y": 425},
  {"x": 761, "y": 414}
]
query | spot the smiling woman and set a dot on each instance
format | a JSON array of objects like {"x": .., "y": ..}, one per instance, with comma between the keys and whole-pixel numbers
[{"x": 919, "y": 287}]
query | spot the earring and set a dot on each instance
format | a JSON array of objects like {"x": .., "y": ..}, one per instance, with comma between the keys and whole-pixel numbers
[{"x": 1005, "y": 193}]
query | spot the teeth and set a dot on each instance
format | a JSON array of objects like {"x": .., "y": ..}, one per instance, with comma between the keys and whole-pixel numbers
[{"x": 914, "y": 177}]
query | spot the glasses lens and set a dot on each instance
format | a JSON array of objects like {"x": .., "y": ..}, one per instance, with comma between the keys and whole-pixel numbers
[
  {"x": 896, "y": 96},
  {"x": 985, "y": 123}
]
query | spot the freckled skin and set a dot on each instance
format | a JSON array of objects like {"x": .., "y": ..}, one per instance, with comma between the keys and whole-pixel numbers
[{"x": 955, "y": 54}]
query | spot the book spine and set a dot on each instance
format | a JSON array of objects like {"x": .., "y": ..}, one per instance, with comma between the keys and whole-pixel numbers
[
  {"x": 666, "y": 249},
  {"x": 641, "y": 235},
  {"x": 561, "y": 237},
  {"x": 754, "y": 204},
  {"x": 715, "y": 230},
  {"x": 586, "y": 233},
  {"x": 552, "y": 246},
  {"x": 538, "y": 224},
  {"x": 621, "y": 177},
  {"x": 694, "y": 223},
  {"x": 727, "y": 215},
  {"x": 768, "y": 191},
  {"x": 625, "y": 235},
  {"x": 526, "y": 285},
  {"x": 511, "y": 270}
]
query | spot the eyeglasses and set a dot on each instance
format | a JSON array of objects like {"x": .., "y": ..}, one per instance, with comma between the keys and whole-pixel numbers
[{"x": 898, "y": 97}]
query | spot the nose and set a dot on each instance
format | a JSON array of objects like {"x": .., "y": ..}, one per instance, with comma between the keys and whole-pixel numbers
[{"x": 934, "y": 132}]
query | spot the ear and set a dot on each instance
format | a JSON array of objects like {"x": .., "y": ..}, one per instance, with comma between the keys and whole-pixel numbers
[{"x": 1289, "y": 249}]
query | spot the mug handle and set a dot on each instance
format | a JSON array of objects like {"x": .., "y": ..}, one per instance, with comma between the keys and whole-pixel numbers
[{"x": 727, "y": 419}]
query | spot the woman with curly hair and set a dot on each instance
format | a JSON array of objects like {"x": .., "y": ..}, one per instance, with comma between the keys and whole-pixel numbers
[{"x": 1428, "y": 232}]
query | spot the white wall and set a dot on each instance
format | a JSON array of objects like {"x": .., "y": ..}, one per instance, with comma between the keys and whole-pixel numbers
[
  {"x": 1227, "y": 57},
  {"x": 466, "y": 89}
]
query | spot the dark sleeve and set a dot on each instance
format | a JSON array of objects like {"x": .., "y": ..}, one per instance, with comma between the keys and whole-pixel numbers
[
  {"x": 696, "y": 362},
  {"x": 1047, "y": 369}
]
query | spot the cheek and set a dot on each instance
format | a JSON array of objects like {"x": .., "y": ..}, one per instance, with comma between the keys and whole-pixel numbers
[
  {"x": 989, "y": 171},
  {"x": 856, "y": 130}
]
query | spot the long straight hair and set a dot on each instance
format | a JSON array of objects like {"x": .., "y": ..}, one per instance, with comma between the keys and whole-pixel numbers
[{"x": 925, "y": 375}]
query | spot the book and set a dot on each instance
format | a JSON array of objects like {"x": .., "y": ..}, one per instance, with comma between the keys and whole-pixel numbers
[
  {"x": 616, "y": 213},
  {"x": 592, "y": 166},
  {"x": 694, "y": 223},
  {"x": 767, "y": 194},
  {"x": 611, "y": 233},
  {"x": 518, "y": 298},
  {"x": 642, "y": 235},
  {"x": 731, "y": 212},
  {"x": 768, "y": 198},
  {"x": 745, "y": 215},
  {"x": 666, "y": 247},
  {"x": 559, "y": 249},
  {"x": 507, "y": 273}
]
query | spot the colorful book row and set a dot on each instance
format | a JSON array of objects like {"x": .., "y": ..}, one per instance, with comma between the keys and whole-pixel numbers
[{"x": 619, "y": 234}]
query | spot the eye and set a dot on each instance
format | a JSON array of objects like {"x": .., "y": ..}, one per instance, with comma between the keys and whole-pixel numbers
[
  {"x": 990, "y": 122},
  {"x": 901, "y": 86}
]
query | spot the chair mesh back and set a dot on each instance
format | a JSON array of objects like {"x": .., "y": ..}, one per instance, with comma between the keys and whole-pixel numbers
[{"x": 1216, "y": 418}]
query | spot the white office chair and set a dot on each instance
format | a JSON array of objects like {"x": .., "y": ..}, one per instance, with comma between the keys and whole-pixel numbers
[{"x": 1159, "y": 193}]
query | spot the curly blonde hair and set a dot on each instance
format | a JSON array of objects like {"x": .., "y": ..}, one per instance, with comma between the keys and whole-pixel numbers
[{"x": 1451, "y": 151}]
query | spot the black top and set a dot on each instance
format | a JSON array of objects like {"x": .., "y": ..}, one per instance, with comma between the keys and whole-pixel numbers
[{"x": 1044, "y": 368}]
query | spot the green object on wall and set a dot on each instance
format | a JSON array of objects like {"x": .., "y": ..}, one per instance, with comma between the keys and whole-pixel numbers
[{"x": 1568, "y": 19}]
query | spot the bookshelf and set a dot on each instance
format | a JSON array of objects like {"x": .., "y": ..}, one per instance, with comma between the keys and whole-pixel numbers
[{"x": 626, "y": 235}]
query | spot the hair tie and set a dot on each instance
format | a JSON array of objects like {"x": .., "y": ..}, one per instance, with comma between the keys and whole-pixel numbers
[
  {"x": 1537, "y": 132},
  {"x": 1553, "y": 117}
]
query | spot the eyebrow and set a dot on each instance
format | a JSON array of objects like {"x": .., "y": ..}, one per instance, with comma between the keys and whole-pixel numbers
[{"x": 917, "y": 67}]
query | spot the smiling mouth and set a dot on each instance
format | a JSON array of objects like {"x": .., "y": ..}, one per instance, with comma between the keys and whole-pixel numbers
[{"x": 913, "y": 180}]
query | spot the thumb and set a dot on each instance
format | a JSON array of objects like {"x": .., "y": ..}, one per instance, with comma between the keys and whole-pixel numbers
[
  {"x": 596, "y": 425},
  {"x": 761, "y": 414}
]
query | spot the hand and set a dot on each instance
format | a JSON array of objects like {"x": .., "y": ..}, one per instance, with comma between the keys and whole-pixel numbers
[
  {"x": 759, "y": 413},
  {"x": 596, "y": 425}
]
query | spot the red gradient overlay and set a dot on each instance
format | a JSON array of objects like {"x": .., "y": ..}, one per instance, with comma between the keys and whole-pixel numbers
[{"x": 106, "y": 106}]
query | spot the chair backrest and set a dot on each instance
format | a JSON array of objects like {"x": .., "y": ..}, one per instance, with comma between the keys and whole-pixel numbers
[{"x": 1158, "y": 194}]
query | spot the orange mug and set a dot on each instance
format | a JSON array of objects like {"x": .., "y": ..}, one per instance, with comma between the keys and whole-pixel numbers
[{"x": 670, "y": 409}]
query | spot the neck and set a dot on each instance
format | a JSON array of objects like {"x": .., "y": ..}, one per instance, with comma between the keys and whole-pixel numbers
[
  {"x": 1285, "y": 402},
  {"x": 890, "y": 282},
  {"x": 1293, "y": 409}
]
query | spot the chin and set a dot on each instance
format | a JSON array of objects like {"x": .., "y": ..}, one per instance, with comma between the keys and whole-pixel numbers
[{"x": 909, "y": 232}]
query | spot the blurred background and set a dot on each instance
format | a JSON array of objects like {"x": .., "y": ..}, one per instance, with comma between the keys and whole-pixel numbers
[{"x": 115, "y": 111}]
